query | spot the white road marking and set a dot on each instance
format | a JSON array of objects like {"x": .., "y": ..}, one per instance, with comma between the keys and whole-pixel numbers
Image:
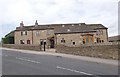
[
  {"x": 73, "y": 70},
  {"x": 27, "y": 60}
]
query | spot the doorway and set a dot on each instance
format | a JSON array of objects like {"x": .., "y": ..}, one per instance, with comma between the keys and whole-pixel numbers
[
  {"x": 52, "y": 42},
  {"x": 88, "y": 39}
]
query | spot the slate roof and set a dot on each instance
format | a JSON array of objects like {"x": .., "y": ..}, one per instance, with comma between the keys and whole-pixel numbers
[{"x": 68, "y": 28}]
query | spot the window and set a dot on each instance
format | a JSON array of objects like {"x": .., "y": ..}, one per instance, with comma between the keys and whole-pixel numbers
[
  {"x": 23, "y": 33},
  {"x": 102, "y": 40},
  {"x": 28, "y": 41},
  {"x": 99, "y": 32},
  {"x": 83, "y": 42},
  {"x": 73, "y": 43},
  {"x": 62, "y": 41},
  {"x": 37, "y": 33},
  {"x": 63, "y": 25},
  {"x": 72, "y": 24},
  {"x": 48, "y": 32},
  {"x": 68, "y": 30},
  {"x": 22, "y": 42},
  {"x": 98, "y": 40},
  {"x": 41, "y": 42},
  {"x": 79, "y": 24}
]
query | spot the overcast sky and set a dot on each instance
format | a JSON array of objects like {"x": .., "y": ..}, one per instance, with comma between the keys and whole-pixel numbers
[{"x": 12, "y": 12}]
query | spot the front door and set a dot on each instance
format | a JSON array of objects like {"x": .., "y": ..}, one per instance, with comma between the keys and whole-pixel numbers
[{"x": 52, "y": 43}]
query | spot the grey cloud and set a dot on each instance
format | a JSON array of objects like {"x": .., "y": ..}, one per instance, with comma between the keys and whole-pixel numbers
[{"x": 59, "y": 11}]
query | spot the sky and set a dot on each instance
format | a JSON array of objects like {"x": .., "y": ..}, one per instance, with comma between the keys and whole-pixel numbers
[{"x": 12, "y": 12}]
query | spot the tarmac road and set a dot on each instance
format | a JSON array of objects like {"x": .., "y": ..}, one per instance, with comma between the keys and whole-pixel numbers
[{"x": 18, "y": 63}]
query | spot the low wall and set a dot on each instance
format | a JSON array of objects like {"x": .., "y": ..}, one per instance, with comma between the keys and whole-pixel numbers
[
  {"x": 95, "y": 44},
  {"x": 99, "y": 51},
  {"x": 23, "y": 46}
]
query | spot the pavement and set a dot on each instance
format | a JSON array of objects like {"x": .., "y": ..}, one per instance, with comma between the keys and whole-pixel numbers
[
  {"x": 26, "y": 62},
  {"x": 85, "y": 58}
]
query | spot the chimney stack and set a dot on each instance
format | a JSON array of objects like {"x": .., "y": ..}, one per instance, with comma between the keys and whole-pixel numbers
[
  {"x": 36, "y": 23},
  {"x": 21, "y": 24}
]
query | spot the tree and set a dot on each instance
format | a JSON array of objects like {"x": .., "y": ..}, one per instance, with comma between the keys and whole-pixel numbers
[{"x": 9, "y": 38}]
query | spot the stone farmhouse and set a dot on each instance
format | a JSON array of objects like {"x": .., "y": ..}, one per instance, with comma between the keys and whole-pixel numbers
[{"x": 57, "y": 34}]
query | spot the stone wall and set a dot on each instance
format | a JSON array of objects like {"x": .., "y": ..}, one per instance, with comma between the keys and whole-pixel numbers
[
  {"x": 107, "y": 51},
  {"x": 23, "y": 46},
  {"x": 99, "y": 51}
]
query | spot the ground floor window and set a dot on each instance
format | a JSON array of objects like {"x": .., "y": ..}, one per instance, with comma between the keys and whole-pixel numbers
[
  {"x": 63, "y": 40},
  {"x": 73, "y": 43},
  {"x": 28, "y": 41},
  {"x": 99, "y": 40},
  {"x": 41, "y": 42},
  {"x": 102, "y": 40},
  {"x": 22, "y": 42}
]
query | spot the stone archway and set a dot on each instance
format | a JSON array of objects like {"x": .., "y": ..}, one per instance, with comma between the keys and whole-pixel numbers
[{"x": 51, "y": 42}]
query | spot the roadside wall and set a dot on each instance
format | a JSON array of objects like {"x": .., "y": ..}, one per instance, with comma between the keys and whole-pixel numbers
[
  {"x": 23, "y": 46},
  {"x": 106, "y": 50},
  {"x": 99, "y": 51}
]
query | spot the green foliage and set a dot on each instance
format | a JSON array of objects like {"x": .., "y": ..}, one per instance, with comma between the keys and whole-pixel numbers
[{"x": 8, "y": 40}]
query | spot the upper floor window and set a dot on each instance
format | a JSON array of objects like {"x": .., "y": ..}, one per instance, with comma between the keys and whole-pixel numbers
[
  {"x": 23, "y": 33},
  {"x": 48, "y": 32},
  {"x": 37, "y": 33},
  {"x": 99, "y": 32}
]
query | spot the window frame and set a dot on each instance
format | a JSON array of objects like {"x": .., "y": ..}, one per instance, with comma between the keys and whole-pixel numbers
[
  {"x": 63, "y": 40},
  {"x": 28, "y": 42},
  {"x": 22, "y": 42},
  {"x": 23, "y": 33},
  {"x": 37, "y": 33}
]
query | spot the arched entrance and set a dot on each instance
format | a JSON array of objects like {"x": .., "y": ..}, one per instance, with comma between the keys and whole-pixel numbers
[{"x": 51, "y": 42}]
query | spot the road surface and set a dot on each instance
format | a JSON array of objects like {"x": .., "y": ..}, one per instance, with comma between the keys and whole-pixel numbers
[{"x": 18, "y": 63}]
